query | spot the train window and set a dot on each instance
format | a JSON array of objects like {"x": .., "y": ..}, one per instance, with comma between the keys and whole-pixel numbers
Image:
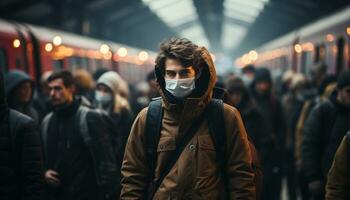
[
  {"x": 340, "y": 55},
  {"x": 3, "y": 60},
  {"x": 58, "y": 64}
]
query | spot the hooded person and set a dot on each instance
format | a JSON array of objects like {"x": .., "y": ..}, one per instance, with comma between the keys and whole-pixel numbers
[
  {"x": 107, "y": 98},
  {"x": 271, "y": 108},
  {"x": 186, "y": 77},
  {"x": 21, "y": 165},
  {"x": 19, "y": 92}
]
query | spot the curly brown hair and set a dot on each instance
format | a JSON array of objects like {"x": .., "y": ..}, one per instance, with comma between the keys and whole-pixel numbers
[{"x": 180, "y": 49}]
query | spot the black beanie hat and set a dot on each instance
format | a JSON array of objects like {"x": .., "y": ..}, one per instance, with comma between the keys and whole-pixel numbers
[
  {"x": 343, "y": 79},
  {"x": 262, "y": 75}
]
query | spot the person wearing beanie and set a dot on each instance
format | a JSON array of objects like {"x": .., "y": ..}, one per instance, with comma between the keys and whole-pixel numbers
[
  {"x": 108, "y": 98},
  {"x": 324, "y": 129},
  {"x": 21, "y": 166},
  {"x": 271, "y": 108},
  {"x": 19, "y": 92}
]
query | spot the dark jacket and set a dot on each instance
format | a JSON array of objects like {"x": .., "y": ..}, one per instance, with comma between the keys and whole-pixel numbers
[
  {"x": 21, "y": 161},
  {"x": 12, "y": 80},
  {"x": 324, "y": 129},
  {"x": 87, "y": 168}
]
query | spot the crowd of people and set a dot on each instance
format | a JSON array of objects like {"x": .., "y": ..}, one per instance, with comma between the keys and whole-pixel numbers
[{"x": 183, "y": 133}]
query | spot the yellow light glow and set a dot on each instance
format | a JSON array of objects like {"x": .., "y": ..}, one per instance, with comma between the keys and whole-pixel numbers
[
  {"x": 104, "y": 48},
  {"x": 16, "y": 43},
  {"x": 143, "y": 56},
  {"x": 245, "y": 59},
  {"x": 57, "y": 40},
  {"x": 308, "y": 46},
  {"x": 298, "y": 48},
  {"x": 253, "y": 55},
  {"x": 348, "y": 30},
  {"x": 122, "y": 52},
  {"x": 330, "y": 37},
  {"x": 48, "y": 47}
]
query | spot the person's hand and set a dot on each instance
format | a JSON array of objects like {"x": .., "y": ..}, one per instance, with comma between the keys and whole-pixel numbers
[
  {"x": 315, "y": 187},
  {"x": 51, "y": 177}
]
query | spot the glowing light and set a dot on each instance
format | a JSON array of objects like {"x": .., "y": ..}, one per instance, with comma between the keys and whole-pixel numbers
[
  {"x": 308, "y": 46},
  {"x": 253, "y": 55},
  {"x": 104, "y": 48},
  {"x": 348, "y": 30},
  {"x": 298, "y": 48},
  {"x": 122, "y": 52},
  {"x": 16, "y": 43},
  {"x": 245, "y": 59},
  {"x": 330, "y": 37},
  {"x": 57, "y": 40},
  {"x": 143, "y": 56},
  {"x": 48, "y": 47}
]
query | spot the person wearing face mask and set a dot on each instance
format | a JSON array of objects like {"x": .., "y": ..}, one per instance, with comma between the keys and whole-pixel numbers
[
  {"x": 80, "y": 161},
  {"x": 107, "y": 98},
  {"x": 186, "y": 77}
]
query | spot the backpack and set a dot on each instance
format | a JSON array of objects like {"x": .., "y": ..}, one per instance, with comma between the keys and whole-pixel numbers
[
  {"x": 215, "y": 120},
  {"x": 81, "y": 119}
]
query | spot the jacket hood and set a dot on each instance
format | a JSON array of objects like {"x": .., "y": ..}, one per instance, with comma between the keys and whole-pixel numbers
[
  {"x": 15, "y": 78},
  {"x": 195, "y": 104},
  {"x": 204, "y": 85}
]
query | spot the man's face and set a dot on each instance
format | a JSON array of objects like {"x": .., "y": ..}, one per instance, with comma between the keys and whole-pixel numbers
[
  {"x": 59, "y": 93},
  {"x": 236, "y": 97},
  {"x": 262, "y": 87},
  {"x": 175, "y": 70},
  {"x": 344, "y": 96},
  {"x": 24, "y": 92}
]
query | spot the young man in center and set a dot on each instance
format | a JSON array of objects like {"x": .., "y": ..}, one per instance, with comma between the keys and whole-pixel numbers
[{"x": 186, "y": 77}]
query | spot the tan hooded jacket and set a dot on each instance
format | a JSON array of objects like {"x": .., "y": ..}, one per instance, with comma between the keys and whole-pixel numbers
[{"x": 195, "y": 175}]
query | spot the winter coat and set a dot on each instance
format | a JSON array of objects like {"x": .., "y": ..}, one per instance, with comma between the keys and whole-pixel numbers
[
  {"x": 12, "y": 80},
  {"x": 21, "y": 160},
  {"x": 195, "y": 174},
  {"x": 338, "y": 183},
  {"x": 324, "y": 128},
  {"x": 87, "y": 167}
]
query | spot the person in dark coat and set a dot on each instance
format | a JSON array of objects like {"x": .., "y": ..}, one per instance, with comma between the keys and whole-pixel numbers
[
  {"x": 323, "y": 131},
  {"x": 271, "y": 108},
  {"x": 107, "y": 98},
  {"x": 21, "y": 160},
  {"x": 19, "y": 92},
  {"x": 80, "y": 158}
]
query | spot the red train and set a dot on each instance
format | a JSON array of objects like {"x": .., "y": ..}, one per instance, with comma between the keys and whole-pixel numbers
[
  {"x": 327, "y": 41},
  {"x": 36, "y": 49}
]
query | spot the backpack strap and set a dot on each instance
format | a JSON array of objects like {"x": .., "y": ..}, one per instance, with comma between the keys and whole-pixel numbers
[
  {"x": 83, "y": 125},
  {"x": 153, "y": 128},
  {"x": 217, "y": 130},
  {"x": 348, "y": 140},
  {"x": 45, "y": 129}
]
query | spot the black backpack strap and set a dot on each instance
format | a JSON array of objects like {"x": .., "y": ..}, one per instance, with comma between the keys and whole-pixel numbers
[
  {"x": 217, "y": 130},
  {"x": 152, "y": 131},
  {"x": 45, "y": 129},
  {"x": 83, "y": 124}
]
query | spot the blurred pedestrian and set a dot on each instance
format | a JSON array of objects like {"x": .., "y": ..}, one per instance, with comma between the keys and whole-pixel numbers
[
  {"x": 80, "y": 156},
  {"x": 324, "y": 129},
  {"x": 19, "y": 92},
  {"x": 21, "y": 159}
]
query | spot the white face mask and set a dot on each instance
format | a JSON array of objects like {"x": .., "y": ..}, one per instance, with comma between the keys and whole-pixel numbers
[
  {"x": 180, "y": 88},
  {"x": 103, "y": 98}
]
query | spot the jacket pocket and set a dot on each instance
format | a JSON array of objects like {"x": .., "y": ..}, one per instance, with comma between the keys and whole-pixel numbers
[{"x": 206, "y": 143}]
